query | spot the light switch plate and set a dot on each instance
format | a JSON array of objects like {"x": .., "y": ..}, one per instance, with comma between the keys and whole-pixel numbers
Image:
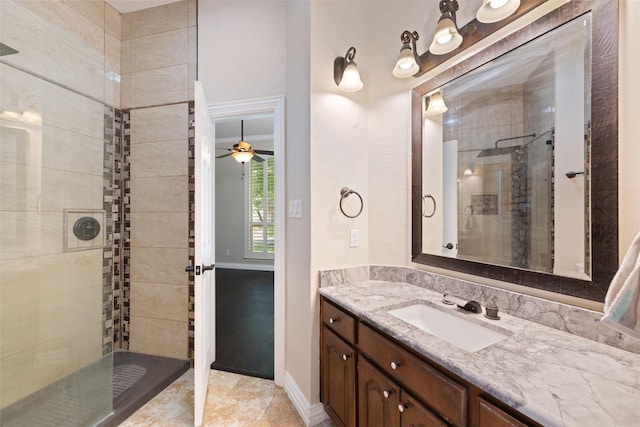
[
  {"x": 354, "y": 238},
  {"x": 295, "y": 208}
]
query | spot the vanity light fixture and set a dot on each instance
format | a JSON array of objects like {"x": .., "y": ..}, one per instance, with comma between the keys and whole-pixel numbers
[
  {"x": 407, "y": 63},
  {"x": 435, "y": 104},
  {"x": 496, "y": 10},
  {"x": 447, "y": 37},
  {"x": 345, "y": 72}
]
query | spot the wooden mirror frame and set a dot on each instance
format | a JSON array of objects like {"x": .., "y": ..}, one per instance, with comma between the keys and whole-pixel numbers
[{"x": 604, "y": 153}]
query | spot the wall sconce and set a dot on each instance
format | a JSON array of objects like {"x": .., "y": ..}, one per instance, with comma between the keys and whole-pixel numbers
[
  {"x": 496, "y": 10},
  {"x": 407, "y": 63},
  {"x": 345, "y": 72},
  {"x": 435, "y": 105},
  {"x": 447, "y": 37}
]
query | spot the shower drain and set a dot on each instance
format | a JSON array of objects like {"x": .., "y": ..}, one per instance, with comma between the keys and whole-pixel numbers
[{"x": 125, "y": 376}]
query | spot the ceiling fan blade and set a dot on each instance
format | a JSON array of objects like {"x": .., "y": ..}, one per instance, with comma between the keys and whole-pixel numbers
[
  {"x": 224, "y": 155},
  {"x": 268, "y": 152},
  {"x": 257, "y": 158},
  {"x": 222, "y": 148}
]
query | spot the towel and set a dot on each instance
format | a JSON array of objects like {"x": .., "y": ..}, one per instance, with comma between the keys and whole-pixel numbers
[{"x": 622, "y": 303}]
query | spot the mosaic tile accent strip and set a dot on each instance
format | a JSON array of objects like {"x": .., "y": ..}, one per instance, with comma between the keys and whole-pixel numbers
[
  {"x": 117, "y": 230},
  {"x": 192, "y": 212},
  {"x": 108, "y": 259},
  {"x": 125, "y": 206}
]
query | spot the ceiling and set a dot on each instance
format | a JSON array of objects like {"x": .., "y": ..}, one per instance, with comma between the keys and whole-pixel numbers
[{"x": 127, "y": 6}]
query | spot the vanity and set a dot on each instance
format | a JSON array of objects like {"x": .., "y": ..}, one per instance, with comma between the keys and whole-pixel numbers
[{"x": 377, "y": 369}]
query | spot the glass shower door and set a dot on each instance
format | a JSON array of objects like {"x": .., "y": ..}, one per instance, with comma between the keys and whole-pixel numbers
[{"x": 55, "y": 289}]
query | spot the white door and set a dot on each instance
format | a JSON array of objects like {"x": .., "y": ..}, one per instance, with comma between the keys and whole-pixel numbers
[{"x": 204, "y": 275}]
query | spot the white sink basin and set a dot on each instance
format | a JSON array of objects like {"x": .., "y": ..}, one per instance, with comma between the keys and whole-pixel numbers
[{"x": 462, "y": 333}]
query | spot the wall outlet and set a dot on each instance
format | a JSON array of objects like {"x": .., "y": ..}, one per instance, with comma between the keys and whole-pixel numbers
[{"x": 354, "y": 238}]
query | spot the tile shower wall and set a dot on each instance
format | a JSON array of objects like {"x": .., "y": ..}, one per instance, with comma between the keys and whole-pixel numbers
[
  {"x": 477, "y": 119},
  {"x": 52, "y": 301},
  {"x": 159, "y": 55},
  {"x": 158, "y": 66},
  {"x": 159, "y": 231}
]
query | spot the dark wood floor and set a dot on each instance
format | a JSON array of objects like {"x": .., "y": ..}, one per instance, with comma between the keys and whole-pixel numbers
[{"x": 244, "y": 322}]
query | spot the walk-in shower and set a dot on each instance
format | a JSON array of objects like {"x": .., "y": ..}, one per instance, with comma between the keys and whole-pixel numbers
[{"x": 60, "y": 223}]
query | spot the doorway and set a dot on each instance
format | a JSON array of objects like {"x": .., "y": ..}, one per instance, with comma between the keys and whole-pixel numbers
[{"x": 239, "y": 259}]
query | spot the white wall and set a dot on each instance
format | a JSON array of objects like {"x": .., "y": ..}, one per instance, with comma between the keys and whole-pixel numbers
[
  {"x": 629, "y": 125},
  {"x": 242, "y": 49}
]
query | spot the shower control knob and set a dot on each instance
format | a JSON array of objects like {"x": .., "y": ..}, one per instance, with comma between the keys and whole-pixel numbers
[
  {"x": 387, "y": 393},
  {"x": 395, "y": 365}
]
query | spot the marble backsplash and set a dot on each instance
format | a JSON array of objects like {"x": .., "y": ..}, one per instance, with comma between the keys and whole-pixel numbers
[{"x": 574, "y": 320}]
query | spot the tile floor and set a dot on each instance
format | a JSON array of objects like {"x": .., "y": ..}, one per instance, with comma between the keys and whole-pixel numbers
[{"x": 232, "y": 401}]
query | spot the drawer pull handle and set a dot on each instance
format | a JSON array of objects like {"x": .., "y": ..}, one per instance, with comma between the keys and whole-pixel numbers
[
  {"x": 333, "y": 320},
  {"x": 387, "y": 393},
  {"x": 403, "y": 407},
  {"x": 395, "y": 365},
  {"x": 345, "y": 356}
]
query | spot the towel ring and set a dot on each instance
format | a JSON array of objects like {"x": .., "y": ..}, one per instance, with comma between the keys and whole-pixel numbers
[
  {"x": 424, "y": 200},
  {"x": 344, "y": 193}
]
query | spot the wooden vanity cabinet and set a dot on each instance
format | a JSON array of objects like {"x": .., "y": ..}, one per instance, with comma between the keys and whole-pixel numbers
[
  {"x": 447, "y": 397},
  {"x": 370, "y": 380},
  {"x": 382, "y": 403},
  {"x": 338, "y": 365}
]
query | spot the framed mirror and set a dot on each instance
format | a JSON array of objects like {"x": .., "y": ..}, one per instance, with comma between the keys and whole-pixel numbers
[{"x": 514, "y": 157}]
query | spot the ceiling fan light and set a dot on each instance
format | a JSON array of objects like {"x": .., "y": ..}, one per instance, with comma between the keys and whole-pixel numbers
[
  {"x": 496, "y": 10},
  {"x": 242, "y": 156}
]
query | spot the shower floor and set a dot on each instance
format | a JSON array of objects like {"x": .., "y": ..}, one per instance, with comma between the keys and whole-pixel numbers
[
  {"x": 137, "y": 378},
  {"x": 76, "y": 400}
]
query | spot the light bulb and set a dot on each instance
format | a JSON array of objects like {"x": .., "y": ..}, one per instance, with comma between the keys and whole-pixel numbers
[
  {"x": 351, "y": 81},
  {"x": 406, "y": 65}
]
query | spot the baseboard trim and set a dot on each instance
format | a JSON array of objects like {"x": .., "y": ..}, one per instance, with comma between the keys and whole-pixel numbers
[
  {"x": 240, "y": 266},
  {"x": 311, "y": 415}
]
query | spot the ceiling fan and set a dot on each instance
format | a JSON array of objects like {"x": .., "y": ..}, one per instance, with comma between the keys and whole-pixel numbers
[{"x": 242, "y": 152}]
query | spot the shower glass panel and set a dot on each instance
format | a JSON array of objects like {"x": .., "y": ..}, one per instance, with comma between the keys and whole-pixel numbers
[{"x": 55, "y": 281}]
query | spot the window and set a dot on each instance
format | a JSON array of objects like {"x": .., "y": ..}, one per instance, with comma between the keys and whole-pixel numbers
[{"x": 260, "y": 208}]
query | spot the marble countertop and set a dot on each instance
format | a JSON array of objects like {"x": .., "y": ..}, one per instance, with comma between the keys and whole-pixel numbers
[{"x": 553, "y": 377}]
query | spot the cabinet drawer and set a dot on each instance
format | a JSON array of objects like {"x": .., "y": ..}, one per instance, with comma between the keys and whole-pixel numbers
[
  {"x": 339, "y": 321},
  {"x": 492, "y": 416},
  {"x": 445, "y": 396}
]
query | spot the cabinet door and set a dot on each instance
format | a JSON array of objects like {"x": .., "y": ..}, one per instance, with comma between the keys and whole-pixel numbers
[
  {"x": 338, "y": 378},
  {"x": 492, "y": 416},
  {"x": 413, "y": 414},
  {"x": 378, "y": 398}
]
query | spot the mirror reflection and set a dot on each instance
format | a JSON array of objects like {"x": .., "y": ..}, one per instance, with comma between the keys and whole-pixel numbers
[{"x": 506, "y": 156}]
